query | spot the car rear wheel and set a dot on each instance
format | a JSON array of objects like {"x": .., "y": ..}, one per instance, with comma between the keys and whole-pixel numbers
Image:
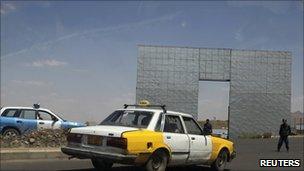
[
  {"x": 157, "y": 161},
  {"x": 101, "y": 164},
  {"x": 11, "y": 132},
  {"x": 221, "y": 161}
]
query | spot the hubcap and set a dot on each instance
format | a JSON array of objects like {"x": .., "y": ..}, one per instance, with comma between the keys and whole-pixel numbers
[
  {"x": 222, "y": 159},
  {"x": 10, "y": 134}
]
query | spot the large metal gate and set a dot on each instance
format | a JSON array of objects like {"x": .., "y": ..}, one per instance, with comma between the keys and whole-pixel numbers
[{"x": 260, "y": 82}]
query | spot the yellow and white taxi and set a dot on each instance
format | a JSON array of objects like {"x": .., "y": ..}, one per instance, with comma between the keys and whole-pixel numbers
[{"x": 149, "y": 137}]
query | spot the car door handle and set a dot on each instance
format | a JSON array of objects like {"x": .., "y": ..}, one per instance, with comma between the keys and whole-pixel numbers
[
  {"x": 168, "y": 137},
  {"x": 41, "y": 123},
  {"x": 19, "y": 121},
  {"x": 192, "y": 138}
]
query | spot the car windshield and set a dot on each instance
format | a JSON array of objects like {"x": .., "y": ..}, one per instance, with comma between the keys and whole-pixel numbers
[{"x": 138, "y": 119}]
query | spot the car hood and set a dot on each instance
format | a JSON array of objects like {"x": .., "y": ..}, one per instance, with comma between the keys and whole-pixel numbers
[{"x": 103, "y": 130}]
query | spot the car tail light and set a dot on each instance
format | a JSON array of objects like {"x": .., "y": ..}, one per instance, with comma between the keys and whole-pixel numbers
[
  {"x": 72, "y": 137},
  {"x": 117, "y": 142}
]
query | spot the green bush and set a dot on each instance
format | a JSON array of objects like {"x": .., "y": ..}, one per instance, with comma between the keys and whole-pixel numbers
[
  {"x": 250, "y": 136},
  {"x": 267, "y": 135}
]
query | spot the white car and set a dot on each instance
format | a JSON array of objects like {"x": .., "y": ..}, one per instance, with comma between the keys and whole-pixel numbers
[{"x": 148, "y": 137}]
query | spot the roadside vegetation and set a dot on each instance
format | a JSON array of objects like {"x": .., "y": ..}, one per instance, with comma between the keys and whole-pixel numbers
[{"x": 255, "y": 135}]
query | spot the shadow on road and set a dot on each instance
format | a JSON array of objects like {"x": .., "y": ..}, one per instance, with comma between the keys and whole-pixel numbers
[{"x": 133, "y": 168}]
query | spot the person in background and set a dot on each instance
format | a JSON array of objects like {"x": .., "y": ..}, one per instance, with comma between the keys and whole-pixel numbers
[
  {"x": 284, "y": 132},
  {"x": 207, "y": 128}
]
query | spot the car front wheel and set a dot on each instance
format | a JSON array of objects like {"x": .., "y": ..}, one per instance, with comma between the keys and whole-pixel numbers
[
  {"x": 221, "y": 161},
  {"x": 157, "y": 161},
  {"x": 101, "y": 164}
]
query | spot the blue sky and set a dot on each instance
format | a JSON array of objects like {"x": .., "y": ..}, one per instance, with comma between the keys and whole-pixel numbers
[{"x": 79, "y": 58}]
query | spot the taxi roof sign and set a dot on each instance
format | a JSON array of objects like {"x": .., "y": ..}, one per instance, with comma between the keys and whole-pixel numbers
[{"x": 144, "y": 103}]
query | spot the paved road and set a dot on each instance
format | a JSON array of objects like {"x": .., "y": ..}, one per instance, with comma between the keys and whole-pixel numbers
[{"x": 248, "y": 154}]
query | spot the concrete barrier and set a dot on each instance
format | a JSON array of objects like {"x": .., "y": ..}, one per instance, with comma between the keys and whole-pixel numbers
[{"x": 31, "y": 153}]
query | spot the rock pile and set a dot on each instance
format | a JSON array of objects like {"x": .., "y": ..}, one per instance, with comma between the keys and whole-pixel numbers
[{"x": 41, "y": 138}]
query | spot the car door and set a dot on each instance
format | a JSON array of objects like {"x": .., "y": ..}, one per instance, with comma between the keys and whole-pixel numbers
[
  {"x": 46, "y": 120},
  {"x": 176, "y": 139},
  {"x": 200, "y": 145},
  {"x": 26, "y": 121},
  {"x": 8, "y": 118}
]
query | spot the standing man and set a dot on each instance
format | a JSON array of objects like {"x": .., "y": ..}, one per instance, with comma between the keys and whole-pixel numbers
[
  {"x": 284, "y": 132},
  {"x": 207, "y": 128}
]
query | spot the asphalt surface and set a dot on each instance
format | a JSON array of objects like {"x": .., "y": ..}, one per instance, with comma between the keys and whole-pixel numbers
[{"x": 249, "y": 151}]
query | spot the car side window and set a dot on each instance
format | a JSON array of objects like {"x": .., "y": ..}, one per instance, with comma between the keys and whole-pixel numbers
[
  {"x": 144, "y": 120},
  {"x": 192, "y": 127},
  {"x": 28, "y": 114},
  {"x": 10, "y": 112},
  {"x": 43, "y": 115},
  {"x": 173, "y": 124},
  {"x": 128, "y": 119}
]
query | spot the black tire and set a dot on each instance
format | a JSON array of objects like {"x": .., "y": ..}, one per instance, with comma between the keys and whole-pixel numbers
[
  {"x": 221, "y": 161},
  {"x": 157, "y": 161},
  {"x": 11, "y": 132},
  {"x": 101, "y": 164}
]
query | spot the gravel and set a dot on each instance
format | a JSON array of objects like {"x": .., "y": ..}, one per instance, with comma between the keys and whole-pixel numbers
[{"x": 41, "y": 138}]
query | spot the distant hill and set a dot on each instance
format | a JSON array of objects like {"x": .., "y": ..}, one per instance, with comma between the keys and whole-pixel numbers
[
  {"x": 296, "y": 117},
  {"x": 216, "y": 124},
  {"x": 219, "y": 124},
  {"x": 297, "y": 113}
]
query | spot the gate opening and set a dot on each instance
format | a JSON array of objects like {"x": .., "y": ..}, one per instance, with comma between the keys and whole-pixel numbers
[{"x": 213, "y": 104}]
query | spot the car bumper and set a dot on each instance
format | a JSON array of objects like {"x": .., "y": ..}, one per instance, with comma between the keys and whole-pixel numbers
[{"x": 85, "y": 153}]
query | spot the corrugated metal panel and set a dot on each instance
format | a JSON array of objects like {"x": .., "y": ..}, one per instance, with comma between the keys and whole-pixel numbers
[
  {"x": 214, "y": 64},
  {"x": 259, "y": 91},
  {"x": 169, "y": 75}
]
